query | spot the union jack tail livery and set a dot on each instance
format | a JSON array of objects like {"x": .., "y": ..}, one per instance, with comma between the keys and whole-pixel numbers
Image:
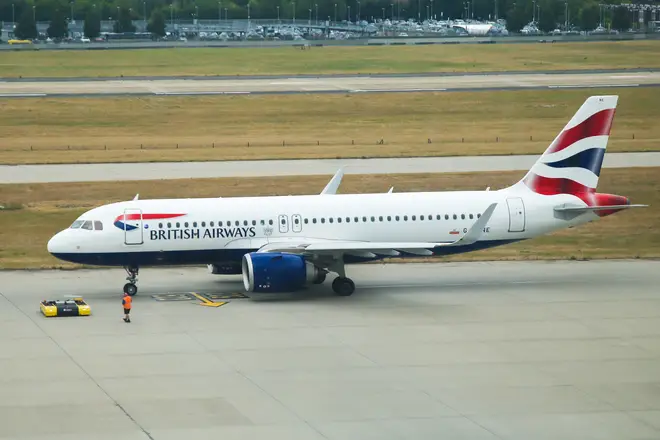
[{"x": 572, "y": 162}]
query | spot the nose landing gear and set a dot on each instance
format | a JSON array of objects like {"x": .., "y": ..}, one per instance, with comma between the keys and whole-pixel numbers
[{"x": 130, "y": 288}]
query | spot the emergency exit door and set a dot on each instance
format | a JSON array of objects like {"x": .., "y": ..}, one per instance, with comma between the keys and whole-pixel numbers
[
  {"x": 283, "y": 222},
  {"x": 132, "y": 221},
  {"x": 516, "y": 214}
]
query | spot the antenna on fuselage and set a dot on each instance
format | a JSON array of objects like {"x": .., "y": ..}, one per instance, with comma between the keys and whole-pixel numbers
[
  {"x": 488, "y": 188},
  {"x": 137, "y": 196}
]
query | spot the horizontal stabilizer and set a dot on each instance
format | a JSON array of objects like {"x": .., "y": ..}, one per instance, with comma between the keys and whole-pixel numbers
[{"x": 564, "y": 208}]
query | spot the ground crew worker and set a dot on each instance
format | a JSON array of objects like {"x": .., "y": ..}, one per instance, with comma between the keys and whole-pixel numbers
[{"x": 126, "y": 302}]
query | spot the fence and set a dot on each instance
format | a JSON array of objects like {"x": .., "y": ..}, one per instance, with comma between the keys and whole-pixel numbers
[{"x": 375, "y": 142}]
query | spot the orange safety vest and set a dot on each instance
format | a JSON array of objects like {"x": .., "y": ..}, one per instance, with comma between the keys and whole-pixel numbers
[{"x": 127, "y": 302}]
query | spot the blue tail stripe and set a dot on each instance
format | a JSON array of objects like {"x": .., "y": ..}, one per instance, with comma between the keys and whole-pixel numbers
[{"x": 591, "y": 159}]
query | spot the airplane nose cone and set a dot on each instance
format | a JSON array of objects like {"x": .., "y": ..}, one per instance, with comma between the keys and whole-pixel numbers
[{"x": 55, "y": 244}]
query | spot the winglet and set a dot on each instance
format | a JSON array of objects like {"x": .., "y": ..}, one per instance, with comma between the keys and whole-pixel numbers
[
  {"x": 474, "y": 233},
  {"x": 137, "y": 196},
  {"x": 333, "y": 185}
]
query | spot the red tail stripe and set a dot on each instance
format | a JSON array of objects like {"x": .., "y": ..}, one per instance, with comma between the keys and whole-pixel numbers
[
  {"x": 598, "y": 124},
  {"x": 550, "y": 186}
]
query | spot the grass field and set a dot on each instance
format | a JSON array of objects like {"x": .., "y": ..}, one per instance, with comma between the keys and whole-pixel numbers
[
  {"x": 311, "y": 126},
  {"x": 366, "y": 59},
  {"x": 43, "y": 209}
]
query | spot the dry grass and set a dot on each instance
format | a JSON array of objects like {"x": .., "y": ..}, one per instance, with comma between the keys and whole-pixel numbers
[
  {"x": 365, "y": 59},
  {"x": 48, "y": 208},
  {"x": 219, "y": 128}
]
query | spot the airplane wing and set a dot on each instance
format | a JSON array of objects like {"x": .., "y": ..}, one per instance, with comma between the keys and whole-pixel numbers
[
  {"x": 333, "y": 185},
  {"x": 371, "y": 249}
]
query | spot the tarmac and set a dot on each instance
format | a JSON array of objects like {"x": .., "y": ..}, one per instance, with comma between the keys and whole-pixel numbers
[
  {"x": 492, "y": 350},
  {"x": 11, "y": 174},
  {"x": 325, "y": 84}
]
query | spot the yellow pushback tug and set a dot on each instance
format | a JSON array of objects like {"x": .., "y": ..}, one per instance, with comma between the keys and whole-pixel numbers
[{"x": 65, "y": 307}]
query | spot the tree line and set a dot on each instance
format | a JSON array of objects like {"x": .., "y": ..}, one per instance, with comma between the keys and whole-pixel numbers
[{"x": 548, "y": 14}]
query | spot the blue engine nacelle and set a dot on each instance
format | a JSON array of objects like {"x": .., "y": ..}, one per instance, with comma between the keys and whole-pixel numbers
[{"x": 278, "y": 272}]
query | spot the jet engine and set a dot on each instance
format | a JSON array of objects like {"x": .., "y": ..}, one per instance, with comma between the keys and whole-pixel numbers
[
  {"x": 278, "y": 272},
  {"x": 228, "y": 268}
]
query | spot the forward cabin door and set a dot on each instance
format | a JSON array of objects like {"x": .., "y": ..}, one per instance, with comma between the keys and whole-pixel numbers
[
  {"x": 516, "y": 214},
  {"x": 132, "y": 221}
]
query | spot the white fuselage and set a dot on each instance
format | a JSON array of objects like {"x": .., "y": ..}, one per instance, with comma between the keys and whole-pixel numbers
[{"x": 215, "y": 230}]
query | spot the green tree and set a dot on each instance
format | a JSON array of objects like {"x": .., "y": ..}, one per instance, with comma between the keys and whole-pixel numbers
[
  {"x": 621, "y": 20},
  {"x": 92, "y": 27},
  {"x": 156, "y": 23},
  {"x": 547, "y": 20},
  {"x": 26, "y": 28},
  {"x": 59, "y": 28},
  {"x": 124, "y": 22},
  {"x": 516, "y": 19},
  {"x": 589, "y": 16}
]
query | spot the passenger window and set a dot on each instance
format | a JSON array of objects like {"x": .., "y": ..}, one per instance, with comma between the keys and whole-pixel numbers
[
  {"x": 380, "y": 218},
  {"x": 389, "y": 218},
  {"x": 245, "y": 223},
  {"x": 478, "y": 215},
  {"x": 185, "y": 225},
  {"x": 348, "y": 219},
  {"x": 413, "y": 218},
  {"x": 295, "y": 220},
  {"x": 219, "y": 223},
  {"x": 283, "y": 221},
  {"x": 178, "y": 225},
  {"x": 169, "y": 225},
  {"x": 330, "y": 220},
  {"x": 364, "y": 219},
  {"x": 322, "y": 220},
  {"x": 396, "y": 218},
  {"x": 263, "y": 222},
  {"x": 237, "y": 223},
  {"x": 405, "y": 218},
  {"x": 446, "y": 216},
  {"x": 194, "y": 224},
  {"x": 455, "y": 217},
  {"x": 438, "y": 217},
  {"x": 306, "y": 221},
  {"x": 338, "y": 219},
  {"x": 254, "y": 222},
  {"x": 462, "y": 216},
  {"x": 211, "y": 224},
  {"x": 471, "y": 217},
  {"x": 314, "y": 220},
  {"x": 98, "y": 226},
  {"x": 160, "y": 225},
  {"x": 87, "y": 225},
  {"x": 356, "y": 219},
  {"x": 203, "y": 224},
  {"x": 270, "y": 222},
  {"x": 421, "y": 217}
]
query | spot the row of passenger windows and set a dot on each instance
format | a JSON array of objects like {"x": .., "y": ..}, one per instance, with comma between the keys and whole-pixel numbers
[
  {"x": 322, "y": 220},
  {"x": 90, "y": 225}
]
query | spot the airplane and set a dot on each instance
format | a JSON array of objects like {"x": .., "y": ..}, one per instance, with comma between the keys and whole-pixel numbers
[{"x": 286, "y": 243}]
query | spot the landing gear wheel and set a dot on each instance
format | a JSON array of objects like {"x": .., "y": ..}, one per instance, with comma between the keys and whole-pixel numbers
[
  {"x": 343, "y": 286},
  {"x": 320, "y": 279},
  {"x": 130, "y": 289}
]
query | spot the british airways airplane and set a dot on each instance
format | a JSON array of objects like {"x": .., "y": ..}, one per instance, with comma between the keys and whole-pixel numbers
[{"x": 284, "y": 243}]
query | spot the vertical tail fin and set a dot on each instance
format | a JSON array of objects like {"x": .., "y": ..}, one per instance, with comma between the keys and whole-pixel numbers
[{"x": 572, "y": 162}]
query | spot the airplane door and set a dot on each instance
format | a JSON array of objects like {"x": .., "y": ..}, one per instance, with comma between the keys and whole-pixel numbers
[
  {"x": 516, "y": 214},
  {"x": 283, "y": 221},
  {"x": 297, "y": 223},
  {"x": 132, "y": 221}
]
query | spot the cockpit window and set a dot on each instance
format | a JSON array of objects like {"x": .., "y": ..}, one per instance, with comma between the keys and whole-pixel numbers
[
  {"x": 98, "y": 226},
  {"x": 76, "y": 224},
  {"x": 87, "y": 225}
]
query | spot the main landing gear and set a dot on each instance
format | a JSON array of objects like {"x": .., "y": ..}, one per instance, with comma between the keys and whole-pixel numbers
[
  {"x": 130, "y": 288},
  {"x": 342, "y": 285}
]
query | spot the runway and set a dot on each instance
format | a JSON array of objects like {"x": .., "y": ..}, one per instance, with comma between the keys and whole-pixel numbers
[
  {"x": 509, "y": 351},
  {"x": 186, "y": 170},
  {"x": 326, "y": 84}
]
